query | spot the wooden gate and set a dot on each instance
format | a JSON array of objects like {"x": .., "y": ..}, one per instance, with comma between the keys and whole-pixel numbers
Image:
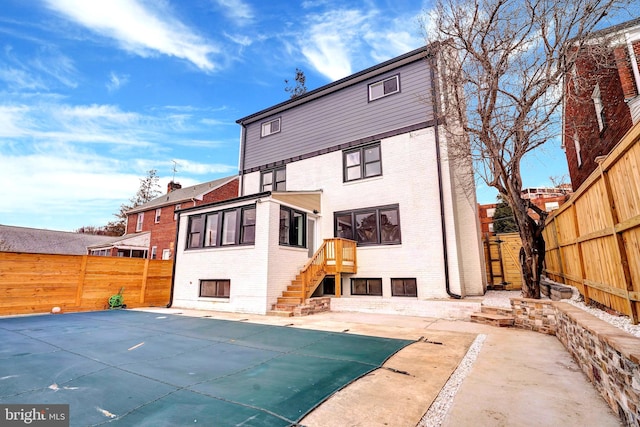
[{"x": 503, "y": 267}]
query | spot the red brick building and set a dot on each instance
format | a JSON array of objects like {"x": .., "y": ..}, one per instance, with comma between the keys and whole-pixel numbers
[
  {"x": 547, "y": 199},
  {"x": 601, "y": 101},
  {"x": 158, "y": 215}
]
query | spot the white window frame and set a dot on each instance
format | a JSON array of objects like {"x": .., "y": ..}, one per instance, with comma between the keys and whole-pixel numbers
[
  {"x": 158, "y": 213},
  {"x": 374, "y": 88},
  {"x": 166, "y": 254},
  {"x": 140, "y": 221},
  {"x": 176, "y": 208},
  {"x": 268, "y": 128},
  {"x": 576, "y": 144},
  {"x": 597, "y": 103},
  {"x": 154, "y": 252}
]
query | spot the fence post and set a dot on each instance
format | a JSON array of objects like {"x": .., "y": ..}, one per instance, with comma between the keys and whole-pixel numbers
[
  {"x": 620, "y": 248},
  {"x": 145, "y": 273},
  {"x": 81, "y": 277}
]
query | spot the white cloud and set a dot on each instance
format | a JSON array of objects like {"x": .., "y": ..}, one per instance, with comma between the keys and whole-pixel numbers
[
  {"x": 116, "y": 81},
  {"x": 333, "y": 37},
  {"x": 139, "y": 29},
  {"x": 240, "y": 12}
]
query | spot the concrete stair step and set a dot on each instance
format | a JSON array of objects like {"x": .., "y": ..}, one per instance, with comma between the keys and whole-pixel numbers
[
  {"x": 492, "y": 319},
  {"x": 504, "y": 311}
]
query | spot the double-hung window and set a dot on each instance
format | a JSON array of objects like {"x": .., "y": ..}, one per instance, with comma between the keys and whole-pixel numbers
[
  {"x": 140, "y": 221},
  {"x": 597, "y": 103},
  {"x": 222, "y": 228},
  {"x": 362, "y": 162},
  {"x": 158, "y": 212},
  {"x": 292, "y": 227},
  {"x": 384, "y": 87},
  {"x": 370, "y": 226},
  {"x": 274, "y": 180},
  {"x": 270, "y": 127}
]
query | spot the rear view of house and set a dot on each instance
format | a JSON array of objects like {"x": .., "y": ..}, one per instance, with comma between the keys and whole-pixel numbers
[{"x": 345, "y": 191}]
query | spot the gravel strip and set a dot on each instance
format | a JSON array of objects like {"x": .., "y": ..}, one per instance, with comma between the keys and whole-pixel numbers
[
  {"x": 441, "y": 405},
  {"x": 439, "y": 409},
  {"x": 619, "y": 321}
]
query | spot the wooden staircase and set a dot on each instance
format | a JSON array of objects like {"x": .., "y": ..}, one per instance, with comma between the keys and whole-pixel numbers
[
  {"x": 335, "y": 257},
  {"x": 494, "y": 316}
]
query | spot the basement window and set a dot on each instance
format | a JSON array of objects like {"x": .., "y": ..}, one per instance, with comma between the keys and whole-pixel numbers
[
  {"x": 366, "y": 287},
  {"x": 219, "y": 288},
  {"x": 404, "y": 287}
]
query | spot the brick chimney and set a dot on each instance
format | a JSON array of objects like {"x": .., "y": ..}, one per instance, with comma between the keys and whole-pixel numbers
[{"x": 173, "y": 186}]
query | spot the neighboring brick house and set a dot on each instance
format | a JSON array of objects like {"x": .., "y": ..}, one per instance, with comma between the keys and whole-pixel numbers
[
  {"x": 355, "y": 162},
  {"x": 547, "y": 199},
  {"x": 601, "y": 101},
  {"x": 158, "y": 217}
]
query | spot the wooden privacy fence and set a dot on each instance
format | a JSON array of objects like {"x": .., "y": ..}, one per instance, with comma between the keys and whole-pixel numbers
[
  {"x": 593, "y": 240},
  {"x": 35, "y": 283},
  {"x": 501, "y": 256}
]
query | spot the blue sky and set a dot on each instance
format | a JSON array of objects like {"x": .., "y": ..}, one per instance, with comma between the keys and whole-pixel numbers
[{"x": 94, "y": 94}]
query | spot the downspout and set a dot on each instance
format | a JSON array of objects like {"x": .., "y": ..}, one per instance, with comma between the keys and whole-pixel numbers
[
  {"x": 175, "y": 261},
  {"x": 440, "y": 186}
]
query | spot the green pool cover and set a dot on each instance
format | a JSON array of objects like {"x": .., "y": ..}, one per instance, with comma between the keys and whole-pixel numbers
[{"x": 139, "y": 368}]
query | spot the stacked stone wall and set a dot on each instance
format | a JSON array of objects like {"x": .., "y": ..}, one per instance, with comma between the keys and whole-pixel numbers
[{"x": 609, "y": 356}]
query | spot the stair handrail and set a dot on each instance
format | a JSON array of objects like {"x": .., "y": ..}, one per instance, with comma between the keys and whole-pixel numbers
[{"x": 315, "y": 268}]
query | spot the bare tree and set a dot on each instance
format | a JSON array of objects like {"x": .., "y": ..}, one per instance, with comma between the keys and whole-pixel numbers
[
  {"x": 503, "y": 88},
  {"x": 149, "y": 189},
  {"x": 299, "y": 87}
]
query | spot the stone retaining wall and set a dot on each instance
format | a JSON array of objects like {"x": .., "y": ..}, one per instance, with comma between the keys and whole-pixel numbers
[
  {"x": 609, "y": 356},
  {"x": 313, "y": 306}
]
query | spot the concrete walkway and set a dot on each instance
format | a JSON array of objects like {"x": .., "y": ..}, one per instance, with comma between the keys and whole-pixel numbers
[{"x": 520, "y": 378}]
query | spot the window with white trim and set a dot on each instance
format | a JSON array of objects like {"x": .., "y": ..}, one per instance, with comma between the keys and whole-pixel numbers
[
  {"x": 158, "y": 212},
  {"x": 384, "y": 87},
  {"x": 176, "y": 208},
  {"x": 576, "y": 144},
  {"x": 270, "y": 127},
  {"x": 140, "y": 221},
  {"x": 166, "y": 254},
  {"x": 597, "y": 103},
  {"x": 154, "y": 252}
]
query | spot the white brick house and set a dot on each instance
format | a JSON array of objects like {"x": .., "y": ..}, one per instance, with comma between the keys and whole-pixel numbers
[{"x": 356, "y": 160}]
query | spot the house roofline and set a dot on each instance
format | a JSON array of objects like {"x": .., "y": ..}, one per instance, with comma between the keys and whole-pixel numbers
[
  {"x": 409, "y": 57},
  {"x": 149, "y": 205},
  {"x": 225, "y": 202}
]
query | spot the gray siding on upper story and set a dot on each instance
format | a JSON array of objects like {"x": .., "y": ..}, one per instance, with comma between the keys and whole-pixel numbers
[{"x": 343, "y": 116}]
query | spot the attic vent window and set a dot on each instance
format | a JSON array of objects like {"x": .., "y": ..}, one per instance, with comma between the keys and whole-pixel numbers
[
  {"x": 384, "y": 87},
  {"x": 270, "y": 127}
]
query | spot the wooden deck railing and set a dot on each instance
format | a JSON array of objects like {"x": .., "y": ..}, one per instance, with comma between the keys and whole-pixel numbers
[{"x": 334, "y": 257}]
